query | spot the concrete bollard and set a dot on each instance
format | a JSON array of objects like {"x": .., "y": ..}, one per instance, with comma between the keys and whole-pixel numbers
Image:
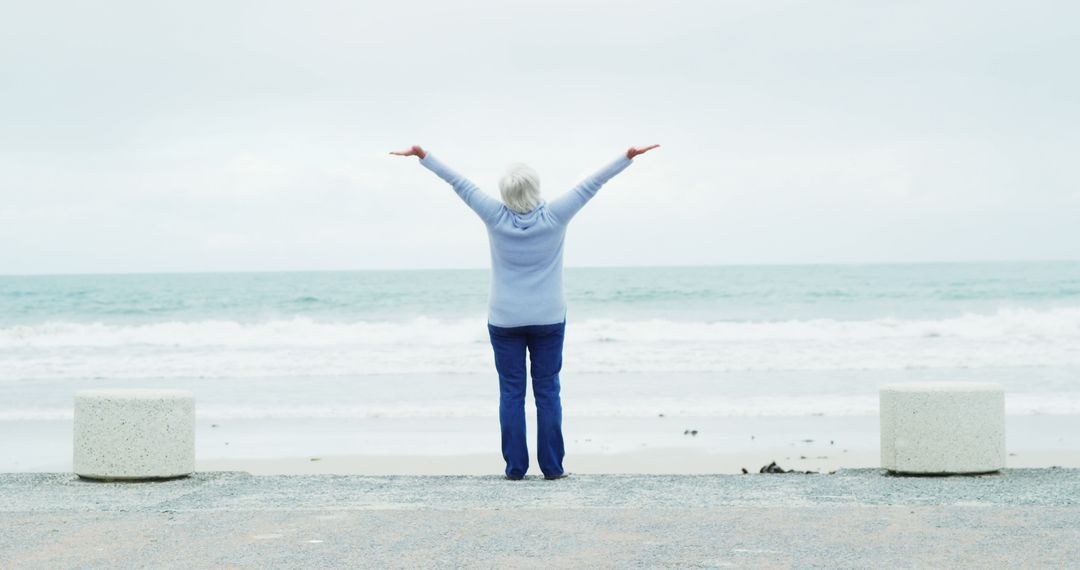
[
  {"x": 134, "y": 434},
  {"x": 942, "y": 428}
]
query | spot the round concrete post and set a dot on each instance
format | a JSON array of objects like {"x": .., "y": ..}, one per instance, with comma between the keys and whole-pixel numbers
[{"x": 134, "y": 434}]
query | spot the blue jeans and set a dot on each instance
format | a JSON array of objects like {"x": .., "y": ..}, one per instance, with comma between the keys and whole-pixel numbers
[{"x": 545, "y": 344}]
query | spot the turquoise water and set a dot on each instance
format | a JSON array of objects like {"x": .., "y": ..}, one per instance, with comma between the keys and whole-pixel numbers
[
  {"x": 746, "y": 293},
  {"x": 703, "y": 340}
]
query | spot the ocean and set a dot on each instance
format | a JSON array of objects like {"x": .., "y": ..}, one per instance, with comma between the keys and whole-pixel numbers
[{"x": 697, "y": 341}]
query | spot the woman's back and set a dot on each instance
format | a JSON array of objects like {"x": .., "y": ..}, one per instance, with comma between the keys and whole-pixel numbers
[
  {"x": 526, "y": 248},
  {"x": 526, "y": 268}
]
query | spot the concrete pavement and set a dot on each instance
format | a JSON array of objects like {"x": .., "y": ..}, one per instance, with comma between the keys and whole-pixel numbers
[{"x": 853, "y": 518}]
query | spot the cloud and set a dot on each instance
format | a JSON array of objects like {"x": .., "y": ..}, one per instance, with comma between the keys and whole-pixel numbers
[{"x": 239, "y": 138}]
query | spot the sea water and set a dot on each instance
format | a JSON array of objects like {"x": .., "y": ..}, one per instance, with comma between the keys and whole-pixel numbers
[{"x": 706, "y": 341}]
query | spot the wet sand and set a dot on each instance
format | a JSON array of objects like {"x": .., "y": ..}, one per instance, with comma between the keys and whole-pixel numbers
[
  {"x": 653, "y": 462},
  {"x": 470, "y": 445}
]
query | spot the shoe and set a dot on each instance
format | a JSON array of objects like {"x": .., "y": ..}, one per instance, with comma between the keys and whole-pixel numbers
[
  {"x": 562, "y": 475},
  {"x": 513, "y": 477}
]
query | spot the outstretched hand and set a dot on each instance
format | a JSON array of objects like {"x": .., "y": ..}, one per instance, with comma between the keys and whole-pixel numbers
[
  {"x": 636, "y": 150},
  {"x": 415, "y": 150}
]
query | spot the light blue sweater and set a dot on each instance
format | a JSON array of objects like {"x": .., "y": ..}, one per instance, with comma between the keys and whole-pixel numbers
[{"x": 526, "y": 249}]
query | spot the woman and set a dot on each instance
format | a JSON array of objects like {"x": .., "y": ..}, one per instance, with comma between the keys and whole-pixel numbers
[{"x": 526, "y": 306}]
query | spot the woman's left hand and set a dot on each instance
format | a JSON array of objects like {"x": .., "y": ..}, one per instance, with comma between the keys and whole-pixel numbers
[
  {"x": 636, "y": 150},
  {"x": 415, "y": 150}
]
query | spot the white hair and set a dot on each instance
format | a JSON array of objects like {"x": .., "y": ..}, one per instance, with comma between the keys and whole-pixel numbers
[{"x": 520, "y": 188}]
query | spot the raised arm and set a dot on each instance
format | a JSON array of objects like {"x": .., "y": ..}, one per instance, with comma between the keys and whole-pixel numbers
[
  {"x": 485, "y": 206},
  {"x": 564, "y": 207}
]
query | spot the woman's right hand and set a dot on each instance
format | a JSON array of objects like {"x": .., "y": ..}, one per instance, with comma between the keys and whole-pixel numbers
[
  {"x": 636, "y": 150},
  {"x": 414, "y": 151}
]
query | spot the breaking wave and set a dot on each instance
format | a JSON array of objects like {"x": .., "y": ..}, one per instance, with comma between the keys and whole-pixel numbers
[{"x": 302, "y": 346}]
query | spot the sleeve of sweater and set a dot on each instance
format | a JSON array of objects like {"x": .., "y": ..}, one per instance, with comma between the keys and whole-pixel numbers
[
  {"x": 485, "y": 206},
  {"x": 564, "y": 207}
]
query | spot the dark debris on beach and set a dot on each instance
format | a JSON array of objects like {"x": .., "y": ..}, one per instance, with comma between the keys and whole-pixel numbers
[{"x": 774, "y": 468}]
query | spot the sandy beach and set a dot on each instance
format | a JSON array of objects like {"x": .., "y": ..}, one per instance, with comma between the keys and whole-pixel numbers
[{"x": 470, "y": 445}]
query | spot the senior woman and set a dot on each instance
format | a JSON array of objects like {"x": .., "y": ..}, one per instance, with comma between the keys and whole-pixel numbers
[{"x": 526, "y": 305}]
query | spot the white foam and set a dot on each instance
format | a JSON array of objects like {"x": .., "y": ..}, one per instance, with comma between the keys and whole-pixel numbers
[
  {"x": 299, "y": 331},
  {"x": 303, "y": 347}
]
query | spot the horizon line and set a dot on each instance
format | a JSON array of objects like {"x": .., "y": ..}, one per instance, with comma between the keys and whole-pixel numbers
[{"x": 485, "y": 268}]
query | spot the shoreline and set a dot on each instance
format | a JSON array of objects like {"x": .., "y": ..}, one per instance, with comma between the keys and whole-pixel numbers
[
  {"x": 470, "y": 445},
  {"x": 669, "y": 461},
  {"x": 660, "y": 461}
]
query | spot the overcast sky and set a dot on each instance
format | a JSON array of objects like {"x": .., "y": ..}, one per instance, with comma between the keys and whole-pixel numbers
[{"x": 208, "y": 135}]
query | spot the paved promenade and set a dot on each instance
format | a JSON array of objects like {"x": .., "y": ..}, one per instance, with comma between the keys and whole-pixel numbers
[{"x": 854, "y": 518}]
